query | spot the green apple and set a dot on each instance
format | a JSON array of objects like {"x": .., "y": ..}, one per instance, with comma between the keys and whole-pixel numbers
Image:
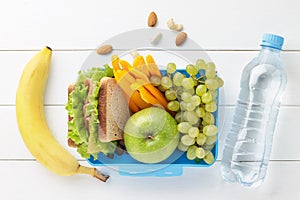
[{"x": 151, "y": 135}]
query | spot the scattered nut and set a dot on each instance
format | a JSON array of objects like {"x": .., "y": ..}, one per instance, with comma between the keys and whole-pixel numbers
[
  {"x": 156, "y": 38},
  {"x": 105, "y": 49},
  {"x": 180, "y": 38},
  {"x": 170, "y": 23},
  {"x": 173, "y": 26},
  {"x": 152, "y": 19},
  {"x": 178, "y": 27}
]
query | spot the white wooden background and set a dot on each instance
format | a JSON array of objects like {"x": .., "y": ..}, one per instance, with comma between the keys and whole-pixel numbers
[{"x": 229, "y": 30}]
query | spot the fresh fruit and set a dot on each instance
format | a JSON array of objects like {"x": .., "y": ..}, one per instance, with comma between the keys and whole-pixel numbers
[
  {"x": 209, "y": 158},
  {"x": 196, "y": 93},
  {"x": 171, "y": 68},
  {"x": 33, "y": 125},
  {"x": 151, "y": 135}
]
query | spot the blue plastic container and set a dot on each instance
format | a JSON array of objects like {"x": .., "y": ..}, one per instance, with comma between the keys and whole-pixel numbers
[{"x": 173, "y": 166}]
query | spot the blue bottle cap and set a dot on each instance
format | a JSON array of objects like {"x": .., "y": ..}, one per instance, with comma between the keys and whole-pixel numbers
[{"x": 274, "y": 41}]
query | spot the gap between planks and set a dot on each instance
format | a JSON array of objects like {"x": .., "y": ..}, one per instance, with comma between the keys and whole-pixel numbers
[{"x": 207, "y": 50}]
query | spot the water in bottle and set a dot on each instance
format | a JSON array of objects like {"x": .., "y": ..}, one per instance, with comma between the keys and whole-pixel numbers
[{"x": 248, "y": 144}]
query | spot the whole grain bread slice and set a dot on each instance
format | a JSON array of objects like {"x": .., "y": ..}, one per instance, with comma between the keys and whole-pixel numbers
[{"x": 113, "y": 111}]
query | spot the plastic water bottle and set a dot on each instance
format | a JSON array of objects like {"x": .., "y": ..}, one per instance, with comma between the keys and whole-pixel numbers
[{"x": 248, "y": 144}]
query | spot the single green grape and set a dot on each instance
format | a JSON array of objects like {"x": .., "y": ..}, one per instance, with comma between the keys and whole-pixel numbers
[
  {"x": 193, "y": 132},
  {"x": 209, "y": 158},
  {"x": 196, "y": 100},
  {"x": 188, "y": 83},
  {"x": 191, "y": 152},
  {"x": 212, "y": 83},
  {"x": 209, "y": 118},
  {"x": 200, "y": 90},
  {"x": 170, "y": 94},
  {"x": 206, "y": 97},
  {"x": 211, "y": 140},
  {"x": 210, "y": 73},
  {"x": 200, "y": 112},
  {"x": 201, "y": 139},
  {"x": 182, "y": 147},
  {"x": 190, "y": 106},
  {"x": 162, "y": 88},
  {"x": 187, "y": 140},
  {"x": 200, "y": 64},
  {"x": 177, "y": 78},
  {"x": 171, "y": 68},
  {"x": 173, "y": 105},
  {"x": 186, "y": 97},
  {"x": 166, "y": 82},
  {"x": 210, "y": 130},
  {"x": 200, "y": 152},
  {"x": 191, "y": 117},
  {"x": 211, "y": 107},
  {"x": 191, "y": 70},
  {"x": 210, "y": 66},
  {"x": 184, "y": 127}
]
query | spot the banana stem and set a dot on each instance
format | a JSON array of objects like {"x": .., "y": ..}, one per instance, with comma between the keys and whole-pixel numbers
[{"x": 93, "y": 172}]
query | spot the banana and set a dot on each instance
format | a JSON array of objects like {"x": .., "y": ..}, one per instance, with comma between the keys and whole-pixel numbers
[{"x": 33, "y": 125}]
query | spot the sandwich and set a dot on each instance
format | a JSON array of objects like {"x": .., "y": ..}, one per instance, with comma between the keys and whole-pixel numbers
[{"x": 97, "y": 113}]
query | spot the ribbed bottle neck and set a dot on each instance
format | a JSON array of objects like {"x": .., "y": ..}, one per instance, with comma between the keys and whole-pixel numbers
[{"x": 266, "y": 49}]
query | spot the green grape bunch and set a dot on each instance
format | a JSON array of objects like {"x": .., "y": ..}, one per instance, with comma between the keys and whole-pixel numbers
[{"x": 194, "y": 100}]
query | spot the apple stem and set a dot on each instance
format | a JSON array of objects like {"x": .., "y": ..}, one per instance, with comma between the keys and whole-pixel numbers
[{"x": 151, "y": 137}]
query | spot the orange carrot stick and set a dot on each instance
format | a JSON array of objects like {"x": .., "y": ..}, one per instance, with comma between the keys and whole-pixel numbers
[
  {"x": 157, "y": 94},
  {"x": 139, "y": 101},
  {"x": 147, "y": 96},
  {"x": 133, "y": 107}
]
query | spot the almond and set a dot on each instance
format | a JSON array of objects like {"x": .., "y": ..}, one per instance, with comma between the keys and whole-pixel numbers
[
  {"x": 152, "y": 19},
  {"x": 105, "y": 49},
  {"x": 181, "y": 38}
]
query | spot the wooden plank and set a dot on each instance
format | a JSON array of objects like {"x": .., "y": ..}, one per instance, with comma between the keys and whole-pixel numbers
[
  {"x": 214, "y": 24},
  {"x": 281, "y": 182},
  {"x": 286, "y": 140},
  {"x": 66, "y": 64}
]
